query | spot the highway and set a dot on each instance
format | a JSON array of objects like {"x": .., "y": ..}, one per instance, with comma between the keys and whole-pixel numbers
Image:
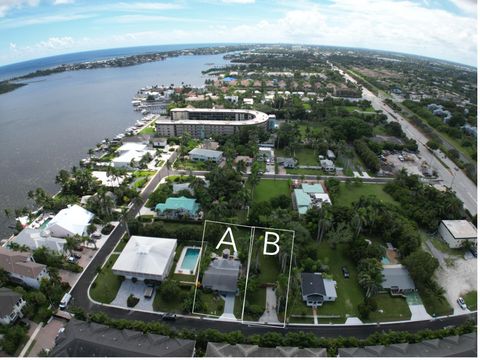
[{"x": 465, "y": 188}]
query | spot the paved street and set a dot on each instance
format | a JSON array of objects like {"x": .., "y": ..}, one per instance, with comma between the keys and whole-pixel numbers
[{"x": 465, "y": 188}]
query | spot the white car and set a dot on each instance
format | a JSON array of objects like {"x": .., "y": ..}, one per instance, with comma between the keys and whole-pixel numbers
[{"x": 462, "y": 304}]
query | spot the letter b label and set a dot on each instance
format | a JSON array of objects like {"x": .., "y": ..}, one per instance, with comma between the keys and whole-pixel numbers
[{"x": 273, "y": 243}]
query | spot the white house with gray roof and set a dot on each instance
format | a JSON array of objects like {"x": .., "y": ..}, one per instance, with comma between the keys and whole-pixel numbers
[
  {"x": 11, "y": 306},
  {"x": 316, "y": 289},
  {"x": 222, "y": 275},
  {"x": 198, "y": 154}
]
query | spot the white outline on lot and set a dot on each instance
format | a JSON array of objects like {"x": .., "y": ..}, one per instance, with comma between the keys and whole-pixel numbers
[{"x": 252, "y": 237}]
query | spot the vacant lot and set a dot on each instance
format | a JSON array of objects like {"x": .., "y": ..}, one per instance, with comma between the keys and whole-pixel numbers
[
  {"x": 304, "y": 155},
  {"x": 390, "y": 309},
  {"x": 269, "y": 189},
  {"x": 105, "y": 287},
  {"x": 353, "y": 192}
]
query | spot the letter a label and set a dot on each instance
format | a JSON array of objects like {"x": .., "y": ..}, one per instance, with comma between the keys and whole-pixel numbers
[
  {"x": 231, "y": 242},
  {"x": 272, "y": 243}
]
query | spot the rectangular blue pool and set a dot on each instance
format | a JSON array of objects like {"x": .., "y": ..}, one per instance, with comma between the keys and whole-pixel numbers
[{"x": 190, "y": 259}]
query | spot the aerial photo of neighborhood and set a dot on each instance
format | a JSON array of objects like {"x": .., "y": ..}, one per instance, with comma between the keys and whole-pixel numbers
[{"x": 275, "y": 192}]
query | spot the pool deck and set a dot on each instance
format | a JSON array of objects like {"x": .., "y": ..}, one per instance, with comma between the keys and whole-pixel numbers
[{"x": 178, "y": 266}]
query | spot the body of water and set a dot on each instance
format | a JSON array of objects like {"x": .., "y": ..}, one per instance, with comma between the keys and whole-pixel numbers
[{"x": 51, "y": 123}]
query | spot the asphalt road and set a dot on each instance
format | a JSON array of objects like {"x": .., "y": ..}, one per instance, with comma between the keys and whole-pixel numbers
[{"x": 465, "y": 188}]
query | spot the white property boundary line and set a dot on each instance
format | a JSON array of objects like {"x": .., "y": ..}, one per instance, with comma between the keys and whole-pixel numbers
[{"x": 252, "y": 237}]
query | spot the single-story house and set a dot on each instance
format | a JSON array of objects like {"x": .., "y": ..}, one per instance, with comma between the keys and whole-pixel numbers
[
  {"x": 397, "y": 279},
  {"x": 198, "y": 154},
  {"x": 158, "y": 142},
  {"x": 36, "y": 238},
  {"x": 70, "y": 221},
  {"x": 327, "y": 165},
  {"x": 226, "y": 350},
  {"x": 308, "y": 196},
  {"x": 456, "y": 232},
  {"x": 288, "y": 163},
  {"x": 130, "y": 151},
  {"x": 90, "y": 339},
  {"x": 178, "y": 207},
  {"x": 146, "y": 258},
  {"x": 316, "y": 289},
  {"x": 177, "y": 187},
  {"x": 246, "y": 159},
  {"x": 222, "y": 275},
  {"x": 11, "y": 305},
  {"x": 21, "y": 267}
]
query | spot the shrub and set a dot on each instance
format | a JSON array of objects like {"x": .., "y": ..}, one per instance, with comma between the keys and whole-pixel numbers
[
  {"x": 107, "y": 229},
  {"x": 132, "y": 301}
]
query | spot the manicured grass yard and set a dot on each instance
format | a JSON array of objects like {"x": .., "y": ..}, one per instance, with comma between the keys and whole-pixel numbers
[
  {"x": 352, "y": 193},
  {"x": 149, "y": 130},
  {"x": 269, "y": 189},
  {"x": 214, "y": 304},
  {"x": 392, "y": 309},
  {"x": 107, "y": 283},
  {"x": 121, "y": 244},
  {"x": 471, "y": 300},
  {"x": 304, "y": 155},
  {"x": 173, "y": 304},
  {"x": 190, "y": 165}
]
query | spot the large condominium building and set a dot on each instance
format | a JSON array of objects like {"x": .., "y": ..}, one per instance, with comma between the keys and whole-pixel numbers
[{"x": 201, "y": 123}]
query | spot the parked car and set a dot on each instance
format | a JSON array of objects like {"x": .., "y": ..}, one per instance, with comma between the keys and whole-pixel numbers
[
  {"x": 72, "y": 260},
  {"x": 169, "y": 317},
  {"x": 77, "y": 256},
  {"x": 462, "y": 304},
  {"x": 65, "y": 300},
  {"x": 346, "y": 273},
  {"x": 148, "y": 292}
]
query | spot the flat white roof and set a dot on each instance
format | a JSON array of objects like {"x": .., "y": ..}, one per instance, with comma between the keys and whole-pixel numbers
[
  {"x": 461, "y": 229},
  {"x": 146, "y": 255},
  {"x": 129, "y": 146}
]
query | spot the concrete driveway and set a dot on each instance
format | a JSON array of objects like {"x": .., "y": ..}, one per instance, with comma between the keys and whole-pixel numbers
[
  {"x": 270, "y": 314},
  {"x": 46, "y": 336},
  {"x": 137, "y": 289},
  {"x": 229, "y": 305}
]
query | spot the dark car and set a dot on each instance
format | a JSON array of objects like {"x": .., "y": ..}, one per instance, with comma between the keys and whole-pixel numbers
[
  {"x": 346, "y": 274},
  {"x": 473, "y": 250},
  {"x": 169, "y": 317},
  {"x": 77, "y": 256}
]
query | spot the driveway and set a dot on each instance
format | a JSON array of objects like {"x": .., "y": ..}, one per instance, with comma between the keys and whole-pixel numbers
[
  {"x": 416, "y": 307},
  {"x": 228, "y": 308},
  {"x": 270, "y": 314},
  {"x": 440, "y": 256},
  {"x": 137, "y": 289},
  {"x": 46, "y": 336}
]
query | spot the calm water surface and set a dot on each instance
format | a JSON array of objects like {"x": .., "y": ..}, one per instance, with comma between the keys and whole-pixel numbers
[{"x": 51, "y": 123}]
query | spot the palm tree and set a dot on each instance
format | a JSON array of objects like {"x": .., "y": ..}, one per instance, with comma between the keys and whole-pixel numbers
[{"x": 325, "y": 222}]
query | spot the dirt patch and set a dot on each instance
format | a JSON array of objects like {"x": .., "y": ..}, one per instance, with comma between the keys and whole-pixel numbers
[{"x": 458, "y": 279}]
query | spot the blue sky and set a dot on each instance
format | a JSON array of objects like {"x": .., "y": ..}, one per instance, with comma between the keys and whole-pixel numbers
[{"x": 445, "y": 29}]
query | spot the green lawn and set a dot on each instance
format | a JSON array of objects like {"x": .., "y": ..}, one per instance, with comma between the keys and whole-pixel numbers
[
  {"x": 269, "y": 189},
  {"x": 305, "y": 172},
  {"x": 352, "y": 108},
  {"x": 390, "y": 309},
  {"x": 107, "y": 283},
  {"x": 471, "y": 300},
  {"x": 352, "y": 193},
  {"x": 441, "y": 245},
  {"x": 304, "y": 155},
  {"x": 190, "y": 165},
  {"x": 435, "y": 305},
  {"x": 149, "y": 130},
  {"x": 121, "y": 244},
  {"x": 214, "y": 304}
]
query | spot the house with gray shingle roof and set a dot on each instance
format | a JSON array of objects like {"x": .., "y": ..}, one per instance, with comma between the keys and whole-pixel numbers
[
  {"x": 222, "y": 275},
  {"x": 316, "y": 289},
  {"x": 397, "y": 279},
  {"x": 88, "y": 339},
  {"x": 11, "y": 305},
  {"x": 245, "y": 350}
]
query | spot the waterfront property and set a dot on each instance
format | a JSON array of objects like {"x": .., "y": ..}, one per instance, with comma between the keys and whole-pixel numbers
[
  {"x": 457, "y": 232},
  {"x": 397, "y": 280},
  {"x": 202, "y": 123},
  {"x": 316, "y": 289},
  {"x": 308, "y": 196},
  {"x": 21, "y": 267},
  {"x": 179, "y": 208},
  {"x": 11, "y": 306},
  {"x": 198, "y": 154},
  {"x": 188, "y": 260},
  {"x": 108, "y": 181},
  {"x": 130, "y": 152},
  {"x": 146, "y": 258},
  {"x": 36, "y": 238},
  {"x": 70, "y": 221}
]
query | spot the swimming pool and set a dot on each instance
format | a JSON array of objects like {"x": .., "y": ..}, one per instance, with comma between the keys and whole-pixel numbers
[
  {"x": 385, "y": 261},
  {"x": 190, "y": 259},
  {"x": 187, "y": 263}
]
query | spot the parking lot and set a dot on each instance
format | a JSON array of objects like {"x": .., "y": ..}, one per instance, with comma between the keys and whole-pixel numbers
[{"x": 411, "y": 163}]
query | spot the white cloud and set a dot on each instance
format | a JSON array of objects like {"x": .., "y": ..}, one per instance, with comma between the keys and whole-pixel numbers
[
  {"x": 7, "y": 5},
  {"x": 467, "y": 6},
  {"x": 238, "y": 1},
  {"x": 56, "y": 43},
  {"x": 137, "y": 6},
  {"x": 63, "y": 2},
  {"x": 47, "y": 19}
]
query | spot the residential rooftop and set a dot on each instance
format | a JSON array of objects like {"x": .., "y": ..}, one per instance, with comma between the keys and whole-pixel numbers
[{"x": 461, "y": 229}]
